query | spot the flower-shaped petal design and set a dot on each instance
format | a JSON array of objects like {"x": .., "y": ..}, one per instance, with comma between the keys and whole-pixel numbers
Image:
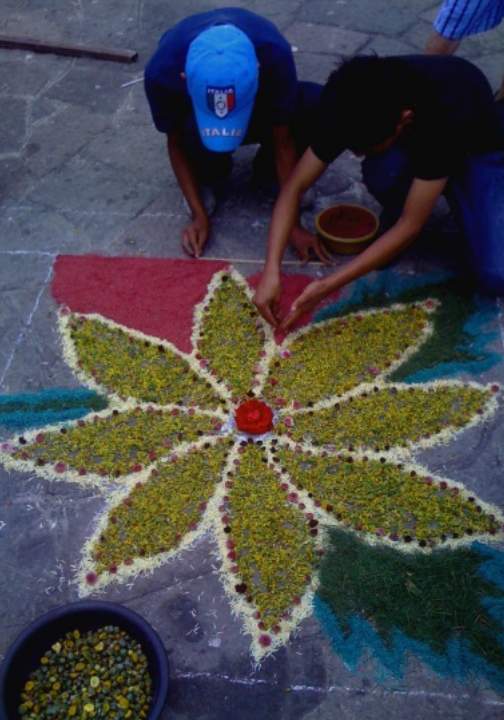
[
  {"x": 130, "y": 365},
  {"x": 156, "y": 514},
  {"x": 387, "y": 499},
  {"x": 335, "y": 450},
  {"x": 235, "y": 356},
  {"x": 381, "y": 417},
  {"x": 114, "y": 443},
  {"x": 333, "y": 357},
  {"x": 271, "y": 544}
]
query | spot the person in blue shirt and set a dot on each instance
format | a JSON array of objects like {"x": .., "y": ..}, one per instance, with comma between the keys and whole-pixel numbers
[
  {"x": 220, "y": 79},
  {"x": 458, "y": 19}
]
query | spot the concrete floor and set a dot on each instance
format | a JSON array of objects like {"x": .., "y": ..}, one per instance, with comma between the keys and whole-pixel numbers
[{"x": 82, "y": 170}]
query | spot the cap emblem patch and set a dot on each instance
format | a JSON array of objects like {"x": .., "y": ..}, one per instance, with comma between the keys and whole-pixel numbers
[{"x": 221, "y": 100}]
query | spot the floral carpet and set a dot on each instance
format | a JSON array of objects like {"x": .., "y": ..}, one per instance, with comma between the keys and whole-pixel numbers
[{"x": 297, "y": 454}]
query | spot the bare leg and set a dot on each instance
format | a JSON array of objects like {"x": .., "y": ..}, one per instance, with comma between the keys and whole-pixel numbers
[{"x": 439, "y": 45}]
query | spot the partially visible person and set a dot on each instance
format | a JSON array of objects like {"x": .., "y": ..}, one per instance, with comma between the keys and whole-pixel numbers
[
  {"x": 425, "y": 125},
  {"x": 458, "y": 19},
  {"x": 220, "y": 79}
]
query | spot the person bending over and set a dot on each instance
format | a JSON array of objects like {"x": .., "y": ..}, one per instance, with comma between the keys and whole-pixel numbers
[
  {"x": 424, "y": 125},
  {"x": 218, "y": 80}
]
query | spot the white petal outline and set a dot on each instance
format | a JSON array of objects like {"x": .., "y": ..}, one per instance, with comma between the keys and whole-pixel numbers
[
  {"x": 147, "y": 564},
  {"x": 101, "y": 482},
  {"x": 71, "y": 357},
  {"x": 239, "y": 606},
  {"x": 429, "y": 306},
  {"x": 269, "y": 345},
  {"x": 328, "y": 519},
  {"x": 442, "y": 438}
]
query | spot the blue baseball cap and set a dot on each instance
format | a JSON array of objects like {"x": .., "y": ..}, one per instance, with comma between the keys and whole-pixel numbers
[{"x": 222, "y": 77}]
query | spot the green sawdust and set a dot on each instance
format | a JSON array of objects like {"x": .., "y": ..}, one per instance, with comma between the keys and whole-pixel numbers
[
  {"x": 275, "y": 552},
  {"x": 135, "y": 368},
  {"x": 232, "y": 337},
  {"x": 449, "y": 341},
  {"x": 430, "y": 598},
  {"x": 379, "y": 498},
  {"x": 158, "y": 513},
  {"x": 116, "y": 444},
  {"x": 333, "y": 358},
  {"x": 388, "y": 417}
]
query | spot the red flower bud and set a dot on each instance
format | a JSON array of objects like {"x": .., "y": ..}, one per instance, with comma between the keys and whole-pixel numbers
[{"x": 254, "y": 417}]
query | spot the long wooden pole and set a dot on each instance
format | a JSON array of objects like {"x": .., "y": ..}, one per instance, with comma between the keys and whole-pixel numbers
[{"x": 10, "y": 42}]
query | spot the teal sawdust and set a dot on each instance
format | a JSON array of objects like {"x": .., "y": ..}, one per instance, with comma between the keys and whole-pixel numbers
[
  {"x": 446, "y": 608},
  {"x": 461, "y": 338},
  {"x": 28, "y": 410}
]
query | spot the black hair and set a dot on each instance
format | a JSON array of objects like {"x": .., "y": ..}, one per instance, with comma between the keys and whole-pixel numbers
[{"x": 365, "y": 96}]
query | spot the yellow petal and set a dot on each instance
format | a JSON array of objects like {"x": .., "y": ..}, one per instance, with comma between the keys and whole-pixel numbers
[
  {"x": 388, "y": 500},
  {"x": 131, "y": 367},
  {"x": 332, "y": 357},
  {"x": 271, "y": 539},
  {"x": 157, "y": 514},
  {"x": 389, "y": 416},
  {"x": 232, "y": 335},
  {"x": 117, "y": 443}
]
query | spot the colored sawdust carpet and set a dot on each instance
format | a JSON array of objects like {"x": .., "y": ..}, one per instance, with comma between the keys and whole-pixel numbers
[
  {"x": 214, "y": 426},
  {"x": 446, "y": 608}
]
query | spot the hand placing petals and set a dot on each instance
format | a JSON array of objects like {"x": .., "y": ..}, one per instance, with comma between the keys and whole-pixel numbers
[{"x": 311, "y": 296}]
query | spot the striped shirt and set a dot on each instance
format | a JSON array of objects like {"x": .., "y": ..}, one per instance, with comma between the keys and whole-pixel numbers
[{"x": 459, "y": 18}]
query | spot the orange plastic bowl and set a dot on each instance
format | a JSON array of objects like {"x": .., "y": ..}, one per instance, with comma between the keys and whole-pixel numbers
[{"x": 347, "y": 229}]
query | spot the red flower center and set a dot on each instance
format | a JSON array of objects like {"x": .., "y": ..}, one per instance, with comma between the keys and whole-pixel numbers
[{"x": 254, "y": 417}]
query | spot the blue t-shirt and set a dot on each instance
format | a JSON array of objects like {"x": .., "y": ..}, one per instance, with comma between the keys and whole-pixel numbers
[{"x": 166, "y": 91}]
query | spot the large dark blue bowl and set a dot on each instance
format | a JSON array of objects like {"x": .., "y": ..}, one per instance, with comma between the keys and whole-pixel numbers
[{"x": 25, "y": 653}]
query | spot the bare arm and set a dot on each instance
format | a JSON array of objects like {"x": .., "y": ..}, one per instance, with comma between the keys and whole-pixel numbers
[
  {"x": 439, "y": 45},
  {"x": 285, "y": 214},
  {"x": 419, "y": 204},
  {"x": 285, "y": 153},
  {"x": 195, "y": 235},
  {"x": 286, "y": 157},
  {"x": 286, "y": 209}
]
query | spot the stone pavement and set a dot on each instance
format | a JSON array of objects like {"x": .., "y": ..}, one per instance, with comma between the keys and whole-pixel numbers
[{"x": 82, "y": 170}]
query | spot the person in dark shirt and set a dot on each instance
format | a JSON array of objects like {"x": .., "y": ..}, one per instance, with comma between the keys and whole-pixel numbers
[
  {"x": 217, "y": 80},
  {"x": 425, "y": 125}
]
